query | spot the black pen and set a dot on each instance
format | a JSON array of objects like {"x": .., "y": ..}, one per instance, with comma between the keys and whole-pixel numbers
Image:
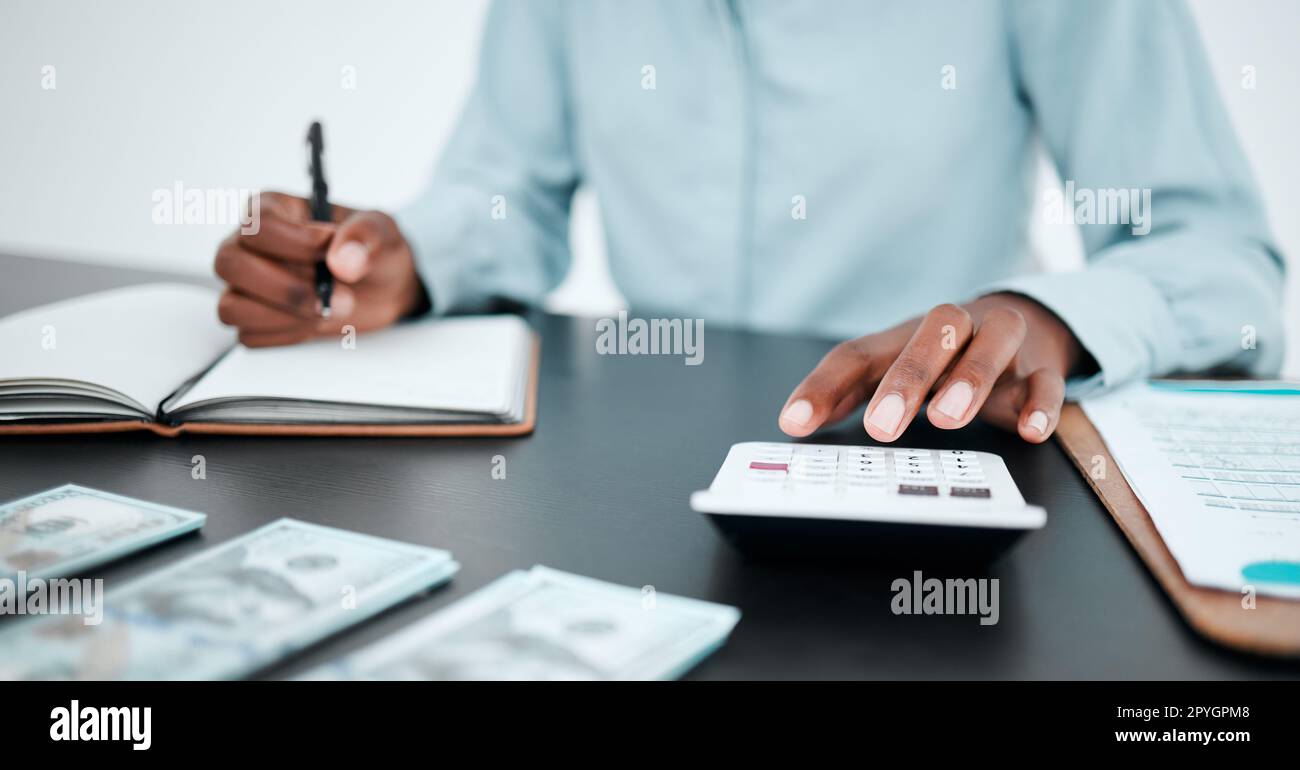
[{"x": 320, "y": 211}]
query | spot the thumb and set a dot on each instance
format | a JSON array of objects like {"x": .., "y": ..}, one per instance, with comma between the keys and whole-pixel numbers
[{"x": 355, "y": 246}]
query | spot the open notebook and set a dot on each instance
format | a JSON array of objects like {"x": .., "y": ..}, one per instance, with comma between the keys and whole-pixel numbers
[{"x": 155, "y": 357}]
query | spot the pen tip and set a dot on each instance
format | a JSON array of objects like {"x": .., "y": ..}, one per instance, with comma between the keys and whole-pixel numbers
[{"x": 325, "y": 312}]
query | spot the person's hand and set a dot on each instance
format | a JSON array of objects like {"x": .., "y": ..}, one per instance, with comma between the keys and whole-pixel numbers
[
  {"x": 270, "y": 295},
  {"x": 1003, "y": 357}
]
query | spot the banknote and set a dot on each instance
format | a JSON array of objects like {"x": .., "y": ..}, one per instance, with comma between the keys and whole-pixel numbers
[
  {"x": 69, "y": 529},
  {"x": 230, "y": 610},
  {"x": 543, "y": 624}
]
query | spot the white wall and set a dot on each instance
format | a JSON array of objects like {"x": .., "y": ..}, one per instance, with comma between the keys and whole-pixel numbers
[{"x": 218, "y": 95}]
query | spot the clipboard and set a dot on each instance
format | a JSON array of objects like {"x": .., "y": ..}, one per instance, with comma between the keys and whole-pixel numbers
[{"x": 1271, "y": 628}]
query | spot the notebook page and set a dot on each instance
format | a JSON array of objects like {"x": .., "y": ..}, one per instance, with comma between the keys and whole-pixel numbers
[
  {"x": 1217, "y": 466},
  {"x": 469, "y": 364},
  {"x": 140, "y": 341}
]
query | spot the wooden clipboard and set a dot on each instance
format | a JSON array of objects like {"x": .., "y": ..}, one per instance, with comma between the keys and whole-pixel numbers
[
  {"x": 1271, "y": 628},
  {"x": 524, "y": 427}
]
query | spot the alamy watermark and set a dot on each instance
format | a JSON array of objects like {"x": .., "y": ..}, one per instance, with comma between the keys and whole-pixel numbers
[
  {"x": 653, "y": 337},
  {"x": 1100, "y": 206},
  {"x": 181, "y": 205},
  {"x": 53, "y": 596},
  {"x": 75, "y": 722},
  {"x": 953, "y": 596}
]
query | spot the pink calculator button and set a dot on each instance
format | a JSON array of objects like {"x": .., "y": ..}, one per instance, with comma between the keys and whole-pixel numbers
[{"x": 769, "y": 466}]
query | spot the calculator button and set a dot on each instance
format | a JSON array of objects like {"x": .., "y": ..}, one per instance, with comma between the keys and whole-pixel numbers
[
  {"x": 814, "y": 470},
  {"x": 817, "y": 477},
  {"x": 970, "y": 492},
  {"x": 864, "y": 474},
  {"x": 918, "y": 489},
  {"x": 919, "y": 455},
  {"x": 865, "y": 468},
  {"x": 856, "y": 454},
  {"x": 761, "y": 466},
  {"x": 806, "y": 450}
]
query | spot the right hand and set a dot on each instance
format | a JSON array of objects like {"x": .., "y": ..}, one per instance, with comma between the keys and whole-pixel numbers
[{"x": 270, "y": 292}]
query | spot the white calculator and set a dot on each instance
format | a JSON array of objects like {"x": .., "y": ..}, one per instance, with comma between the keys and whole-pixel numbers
[{"x": 881, "y": 500}]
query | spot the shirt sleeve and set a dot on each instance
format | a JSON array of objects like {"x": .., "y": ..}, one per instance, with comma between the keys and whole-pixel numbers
[
  {"x": 1124, "y": 100},
  {"x": 494, "y": 220}
]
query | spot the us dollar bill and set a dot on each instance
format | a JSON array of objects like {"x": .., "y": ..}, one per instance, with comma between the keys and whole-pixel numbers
[
  {"x": 231, "y": 610},
  {"x": 70, "y": 529},
  {"x": 544, "y": 624}
]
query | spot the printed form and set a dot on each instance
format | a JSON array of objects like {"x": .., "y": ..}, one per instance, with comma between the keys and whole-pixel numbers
[{"x": 1217, "y": 465}]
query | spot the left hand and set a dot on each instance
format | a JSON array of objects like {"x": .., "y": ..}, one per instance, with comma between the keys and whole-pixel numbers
[{"x": 1003, "y": 357}]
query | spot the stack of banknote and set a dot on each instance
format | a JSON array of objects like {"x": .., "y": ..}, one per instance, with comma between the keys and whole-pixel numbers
[
  {"x": 248, "y": 603},
  {"x": 547, "y": 624}
]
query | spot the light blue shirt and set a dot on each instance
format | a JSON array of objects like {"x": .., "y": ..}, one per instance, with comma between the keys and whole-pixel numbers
[{"x": 707, "y": 127}]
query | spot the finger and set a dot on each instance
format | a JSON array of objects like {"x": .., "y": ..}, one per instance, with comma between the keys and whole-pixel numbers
[
  {"x": 969, "y": 382},
  {"x": 285, "y": 230},
  {"x": 297, "y": 208},
  {"x": 264, "y": 279},
  {"x": 840, "y": 376},
  {"x": 282, "y": 205},
  {"x": 272, "y": 339},
  {"x": 303, "y": 331},
  {"x": 250, "y": 315},
  {"x": 943, "y": 332},
  {"x": 1041, "y": 411},
  {"x": 847, "y": 404},
  {"x": 355, "y": 244}
]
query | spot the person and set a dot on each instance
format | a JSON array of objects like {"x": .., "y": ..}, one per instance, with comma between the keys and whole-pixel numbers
[{"x": 831, "y": 168}]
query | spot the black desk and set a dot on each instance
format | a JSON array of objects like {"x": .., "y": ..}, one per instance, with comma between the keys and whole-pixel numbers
[{"x": 601, "y": 489}]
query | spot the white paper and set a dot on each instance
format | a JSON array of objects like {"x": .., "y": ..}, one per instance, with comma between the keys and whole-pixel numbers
[
  {"x": 141, "y": 342},
  {"x": 1217, "y": 466},
  {"x": 471, "y": 364}
]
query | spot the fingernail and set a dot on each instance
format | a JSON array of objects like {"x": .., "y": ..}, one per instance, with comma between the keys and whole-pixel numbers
[
  {"x": 956, "y": 400},
  {"x": 342, "y": 303},
  {"x": 888, "y": 413},
  {"x": 350, "y": 260},
  {"x": 1038, "y": 421},
  {"x": 798, "y": 413}
]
